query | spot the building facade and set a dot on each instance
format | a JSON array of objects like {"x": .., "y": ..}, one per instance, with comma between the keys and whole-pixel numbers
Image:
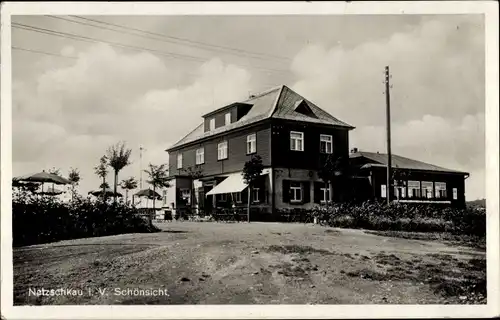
[
  {"x": 293, "y": 137},
  {"x": 290, "y": 134}
]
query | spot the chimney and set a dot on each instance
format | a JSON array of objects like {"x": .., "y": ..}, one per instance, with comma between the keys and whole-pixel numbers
[{"x": 354, "y": 150}]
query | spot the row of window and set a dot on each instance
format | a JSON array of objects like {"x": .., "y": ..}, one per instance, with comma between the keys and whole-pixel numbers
[
  {"x": 222, "y": 151},
  {"x": 235, "y": 197},
  {"x": 421, "y": 189},
  {"x": 297, "y": 142},
  {"x": 296, "y": 192},
  {"x": 227, "y": 120}
]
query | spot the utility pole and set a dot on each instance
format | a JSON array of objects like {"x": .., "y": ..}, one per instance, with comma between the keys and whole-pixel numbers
[
  {"x": 388, "y": 126},
  {"x": 140, "y": 164}
]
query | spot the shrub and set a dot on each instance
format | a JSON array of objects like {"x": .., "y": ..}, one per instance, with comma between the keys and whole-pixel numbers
[
  {"x": 395, "y": 217},
  {"x": 45, "y": 219}
]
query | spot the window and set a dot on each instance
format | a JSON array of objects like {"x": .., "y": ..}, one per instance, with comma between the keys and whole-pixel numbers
[
  {"x": 237, "y": 197},
  {"x": 427, "y": 189},
  {"x": 179, "y": 161},
  {"x": 455, "y": 194},
  {"x": 200, "y": 156},
  {"x": 223, "y": 197},
  {"x": 324, "y": 194},
  {"x": 255, "y": 194},
  {"x": 295, "y": 192},
  {"x": 296, "y": 141},
  {"x": 440, "y": 190},
  {"x": 164, "y": 197},
  {"x": 383, "y": 191},
  {"x": 251, "y": 143},
  {"x": 186, "y": 196},
  {"x": 222, "y": 151},
  {"x": 212, "y": 124},
  {"x": 414, "y": 189},
  {"x": 325, "y": 143},
  {"x": 399, "y": 190},
  {"x": 227, "y": 119}
]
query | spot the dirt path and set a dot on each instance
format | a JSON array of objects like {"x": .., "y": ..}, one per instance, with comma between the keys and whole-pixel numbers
[{"x": 257, "y": 263}]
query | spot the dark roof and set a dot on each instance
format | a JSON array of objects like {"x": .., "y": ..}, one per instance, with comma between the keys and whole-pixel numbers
[
  {"x": 380, "y": 160},
  {"x": 279, "y": 103}
]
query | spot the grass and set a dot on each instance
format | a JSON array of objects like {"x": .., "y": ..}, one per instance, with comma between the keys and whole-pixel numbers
[
  {"x": 257, "y": 263},
  {"x": 445, "y": 237}
]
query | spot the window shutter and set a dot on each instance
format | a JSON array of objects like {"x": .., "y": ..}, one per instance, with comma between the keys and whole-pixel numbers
[
  {"x": 286, "y": 191},
  {"x": 262, "y": 194},
  {"x": 178, "y": 196},
  {"x": 317, "y": 192},
  {"x": 306, "y": 189}
]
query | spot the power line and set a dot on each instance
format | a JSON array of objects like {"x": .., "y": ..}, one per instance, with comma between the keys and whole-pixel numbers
[
  {"x": 121, "y": 45},
  {"x": 190, "y": 74},
  {"x": 94, "y": 40},
  {"x": 168, "y": 39},
  {"x": 42, "y": 52},
  {"x": 187, "y": 41}
]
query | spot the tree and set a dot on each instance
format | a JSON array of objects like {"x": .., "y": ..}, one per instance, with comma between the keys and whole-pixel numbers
[
  {"x": 327, "y": 173},
  {"x": 333, "y": 170},
  {"x": 101, "y": 170},
  {"x": 194, "y": 172},
  {"x": 104, "y": 186},
  {"x": 119, "y": 157},
  {"x": 128, "y": 184},
  {"x": 158, "y": 178},
  {"x": 251, "y": 172},
  {"x": 74, "y": 178}
]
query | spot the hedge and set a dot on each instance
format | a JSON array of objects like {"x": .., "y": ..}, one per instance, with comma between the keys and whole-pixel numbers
[
  {"x": 45, "y": 219},
  {"x": 395, "y": 217}
]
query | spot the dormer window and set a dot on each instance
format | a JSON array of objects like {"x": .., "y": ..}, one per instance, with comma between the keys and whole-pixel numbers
[
  {"x": 227, "y": 119},
  {"x": 212, "y": 124},
  {"x": 301, "y": 106}
]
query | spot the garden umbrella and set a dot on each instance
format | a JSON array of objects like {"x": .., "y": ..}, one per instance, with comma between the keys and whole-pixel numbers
[
  {"x": 107, "y": 191},
  {"x": 148, "y": 193},
  {"x": 42, "y": 177}
]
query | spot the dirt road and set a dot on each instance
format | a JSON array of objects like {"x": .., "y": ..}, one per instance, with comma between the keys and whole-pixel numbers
[{"x": 257, "y": 263}]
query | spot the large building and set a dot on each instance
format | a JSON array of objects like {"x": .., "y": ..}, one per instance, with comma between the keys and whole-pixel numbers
[{"x": 291, "y": 134}]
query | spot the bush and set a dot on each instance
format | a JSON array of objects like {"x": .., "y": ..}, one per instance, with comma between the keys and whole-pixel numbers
[
  {"x": 395, "y": 217},
  {"x": 45, "y": 219}
]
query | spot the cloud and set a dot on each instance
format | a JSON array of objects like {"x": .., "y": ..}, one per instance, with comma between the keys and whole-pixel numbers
[
  {"x": 456, "y": 145},
  {"x": 437, "y": 99},
  {"x": 70, "y": 115},
  {"x": 436, "y": 67}
]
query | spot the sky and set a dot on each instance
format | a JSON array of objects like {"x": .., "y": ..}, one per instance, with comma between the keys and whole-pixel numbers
[{"x": 69, "y": 107}]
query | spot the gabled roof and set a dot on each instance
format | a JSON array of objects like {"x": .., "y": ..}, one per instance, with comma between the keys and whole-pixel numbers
[
  {"x": 380, "y": 160},
  {"x": 279, "y": 103}
]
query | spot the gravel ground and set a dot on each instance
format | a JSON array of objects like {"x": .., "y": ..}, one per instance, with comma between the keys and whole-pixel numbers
[{"x": 257, "y": 263}]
